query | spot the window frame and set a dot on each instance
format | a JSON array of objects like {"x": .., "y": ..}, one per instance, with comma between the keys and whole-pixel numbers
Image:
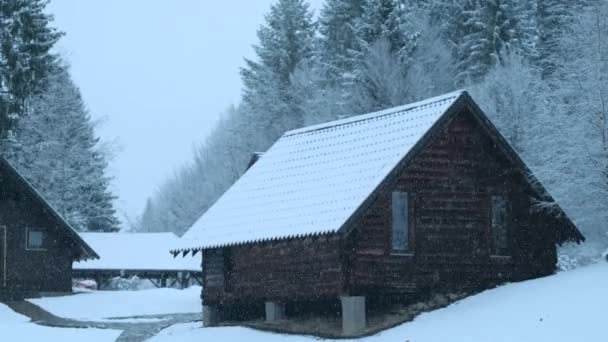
[
  {"x": 408, "y": 249},
  {"x": 501, "y": 251},
  {"x": 43, "y": 246}
]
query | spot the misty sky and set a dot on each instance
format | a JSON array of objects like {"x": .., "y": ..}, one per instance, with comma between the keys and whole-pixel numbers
[{"x": 159, "y": 73}]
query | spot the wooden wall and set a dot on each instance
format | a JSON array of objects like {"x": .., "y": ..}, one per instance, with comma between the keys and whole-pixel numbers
[
  {"x": 303, "y": 269},
  {"x": 31, "y": 271},
  {"x": 450, "y": 182}
]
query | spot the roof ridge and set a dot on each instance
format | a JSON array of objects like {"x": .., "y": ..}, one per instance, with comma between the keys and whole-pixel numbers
[{"x": 374, "y": 115}]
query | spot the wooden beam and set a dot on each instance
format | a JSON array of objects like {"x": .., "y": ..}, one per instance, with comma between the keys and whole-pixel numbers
[{"x": 154, "y": 283}]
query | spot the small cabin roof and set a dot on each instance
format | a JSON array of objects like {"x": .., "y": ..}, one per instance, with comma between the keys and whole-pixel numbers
[
  {"x": 135, "y": 251},
  {"x": 313, "y": 180}
]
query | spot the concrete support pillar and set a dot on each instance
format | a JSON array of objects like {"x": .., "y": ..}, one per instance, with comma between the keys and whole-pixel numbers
[
  {"x": 210, "y": 316},
  {"x": 275, "y": 311},
  {"x": 353, "y": 315}
]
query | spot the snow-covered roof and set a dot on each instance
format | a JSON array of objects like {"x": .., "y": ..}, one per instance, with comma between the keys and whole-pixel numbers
[
  {"x": 313, "y": 179},
  {"x": 135, "y": 251}
]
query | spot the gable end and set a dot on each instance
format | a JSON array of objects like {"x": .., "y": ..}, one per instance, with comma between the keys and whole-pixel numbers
[{"x": 567, "y": 232}]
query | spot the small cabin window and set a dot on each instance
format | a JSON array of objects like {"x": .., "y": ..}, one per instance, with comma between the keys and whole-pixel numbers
[
  {"x": 400, "y": 215},
  {"x": 36, "y": 238},
  {"x": 228, "y": 266},
  {"x": 500, "y": 224}
]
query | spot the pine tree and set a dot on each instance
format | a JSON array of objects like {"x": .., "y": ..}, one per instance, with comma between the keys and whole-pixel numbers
[
  {"x": 338, "y": 40},
  {"x": 285, "y": 41},
  {"x": 55, "y": 147},
  {"x": 26, "y": 39},
  {"x": 386, "y": 41},
  {"x": 480, "y": 32},
  {"x": 386, "y": 20}
]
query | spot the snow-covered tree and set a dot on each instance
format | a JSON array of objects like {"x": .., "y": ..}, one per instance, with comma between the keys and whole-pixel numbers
[
  {"x": 386, "y": 20},
  {"x": 515, "y": 98},
  {"x": 553, "y": 18},
  {"x": 195, "y": 186},
  {"x": 337, "y": 40},
  {"x": 285, "y": 40},
  {"x": 26, "y": 39},
  {"x": 478, "y": 31},
  {"x": 55, "y": 147},
  {"x": 581, "y": 83},
  {"x": 386, "y": 41},
  {"x": 383, "y": 78}
]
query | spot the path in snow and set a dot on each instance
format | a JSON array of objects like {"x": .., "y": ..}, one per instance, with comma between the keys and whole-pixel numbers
[{"x": 135, "y": 329}]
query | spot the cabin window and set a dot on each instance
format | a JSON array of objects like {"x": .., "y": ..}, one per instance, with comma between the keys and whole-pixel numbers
[
  {"x": 400, "y": 214},
  {"x": 228, "y": 265},
  {"x": 36, "y": 239},
  {"x": 500, "y": 224},
  {"x": 214, "y": 268}
]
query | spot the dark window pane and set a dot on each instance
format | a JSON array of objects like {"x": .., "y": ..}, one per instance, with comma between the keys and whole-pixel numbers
[
  {"x": 35, "y": 239},
  {"x": 400, "y": 237},
  {"x": 500, "y": 224}
]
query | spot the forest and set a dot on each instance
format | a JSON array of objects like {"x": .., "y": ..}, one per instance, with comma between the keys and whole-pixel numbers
[
  {"x": 538, "y": 68},
  {"x": 46, "y": 131}
]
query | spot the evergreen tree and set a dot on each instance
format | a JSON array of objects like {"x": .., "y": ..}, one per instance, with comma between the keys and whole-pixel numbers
[
  {"x": 55, "y": 147},
  {"x": 386, "y": 41},
  {"x": 338, "y": 40},
  {"x": 285, "y": 41},
  {"x": 215, "y": 166},
  {"x": 26, "y": 39},
  {"x": 386, "y": 20},
  {"x": 580, "y": 83},
  {"x": 480, "y": 32},
  {"x": 552, "y": 17}
]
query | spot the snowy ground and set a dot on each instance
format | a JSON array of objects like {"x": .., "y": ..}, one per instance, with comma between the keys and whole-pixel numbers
[
  {"x": 101, "y": 305},
  {"x": 15, "y": 327},
  {"x": 570, "y": 306}
]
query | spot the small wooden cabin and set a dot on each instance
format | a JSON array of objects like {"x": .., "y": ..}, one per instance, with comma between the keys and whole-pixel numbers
[
  {"x": 389, "y": 205},
  {"x": 37, "y": 246}
]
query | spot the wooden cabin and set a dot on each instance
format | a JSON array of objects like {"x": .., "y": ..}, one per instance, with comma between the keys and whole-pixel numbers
[
  {"x": 37, "y": 246},
  {"x": 385, "y": 206}
]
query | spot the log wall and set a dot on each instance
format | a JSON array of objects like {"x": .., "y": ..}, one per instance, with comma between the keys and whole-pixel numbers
[
  {"x": 450, "y": 182},
  {"x": 302, "y": 269}
]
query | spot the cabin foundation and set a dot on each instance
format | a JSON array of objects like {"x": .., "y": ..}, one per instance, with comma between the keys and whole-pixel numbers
[
  {"x": 210, "y": 316},
  {"x": 353, "y": 315},
  {"x": 275, "y": 311}
]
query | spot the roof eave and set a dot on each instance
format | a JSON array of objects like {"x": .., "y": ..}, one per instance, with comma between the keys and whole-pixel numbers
[{"x": 184, "y": 251}]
